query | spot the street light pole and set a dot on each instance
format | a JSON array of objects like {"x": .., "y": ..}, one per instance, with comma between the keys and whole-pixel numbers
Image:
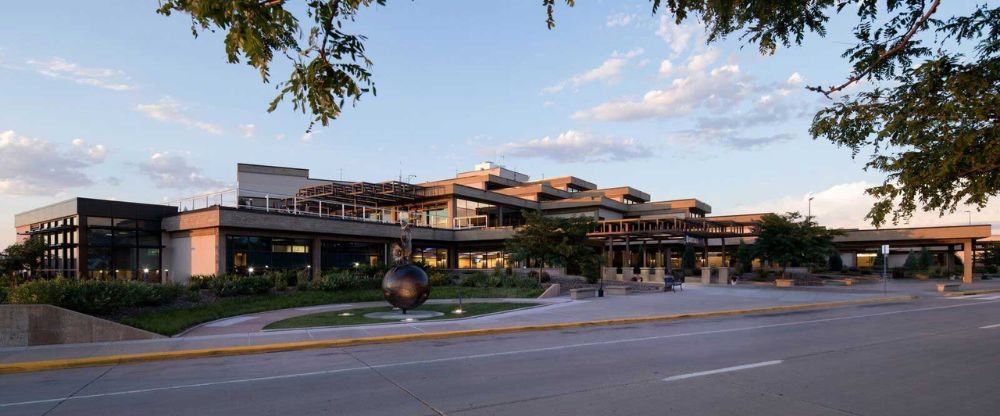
[
  {"x": 810, "y": 212},
  {"x": 970, "y": 216}
]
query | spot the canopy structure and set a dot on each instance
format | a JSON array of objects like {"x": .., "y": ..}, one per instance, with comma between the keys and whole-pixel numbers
[
  {"x": 364, "y": 193},
  {"x": 673, "y": 227}
]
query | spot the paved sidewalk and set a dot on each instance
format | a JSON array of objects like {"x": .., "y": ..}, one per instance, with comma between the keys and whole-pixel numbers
[{"x": 694, "y": 298}]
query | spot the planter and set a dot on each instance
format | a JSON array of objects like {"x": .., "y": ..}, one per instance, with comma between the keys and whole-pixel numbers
[{"x": 784, "y": 282}]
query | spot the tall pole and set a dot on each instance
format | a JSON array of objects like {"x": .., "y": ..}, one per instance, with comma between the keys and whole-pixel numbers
[
  {"x": 970, "y": 216},
  {"x": 810, "y": 211}
]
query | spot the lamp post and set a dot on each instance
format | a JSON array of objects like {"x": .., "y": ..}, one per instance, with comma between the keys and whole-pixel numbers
[
  {"x": 810, "y": 211},
  {"x": 250, "y": 270},
  {"x": 145, "y": 274},
  {"x": 970, "y": 216}
]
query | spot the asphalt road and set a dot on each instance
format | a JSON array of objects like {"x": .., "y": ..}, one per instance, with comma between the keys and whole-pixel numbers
[{"x": 929, "y": 357}]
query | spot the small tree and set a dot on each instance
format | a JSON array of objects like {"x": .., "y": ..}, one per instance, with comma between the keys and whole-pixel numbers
[
  {"x": 23, "y": 256},
  {"x": 688, "y": 259},
  {"x": 925, "y": 260},
  {"x": 552, "y": 240},
  {"x": 836, "y": 262},
  {"x": 791, "y": 240},
  {"x": 991, "y": 257},
  {"x": 912, "y": 261},
  {"x": 744, "y": 255}
]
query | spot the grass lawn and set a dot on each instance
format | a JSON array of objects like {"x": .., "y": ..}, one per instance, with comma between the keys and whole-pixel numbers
[
  {"x": 333, "y": 318},
  {"x": 172, "y": 321}
]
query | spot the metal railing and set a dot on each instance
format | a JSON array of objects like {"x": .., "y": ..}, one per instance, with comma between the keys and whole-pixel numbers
[{"x": 295, "y": 205}]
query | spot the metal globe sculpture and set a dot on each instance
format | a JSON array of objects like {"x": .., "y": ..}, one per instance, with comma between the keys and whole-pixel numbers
[{"x": 405, "y": 286}]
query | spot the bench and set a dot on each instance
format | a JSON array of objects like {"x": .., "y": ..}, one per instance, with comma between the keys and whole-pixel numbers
[
  {"x": 617, "y": 290},
  {"x": 948, "y": 287},
  {"x": 670, "y": 284},
  {"x": 577, "y": 294}
]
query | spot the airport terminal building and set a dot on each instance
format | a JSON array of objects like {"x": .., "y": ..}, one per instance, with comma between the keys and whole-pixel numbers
[{"x": 280, "y": 218}]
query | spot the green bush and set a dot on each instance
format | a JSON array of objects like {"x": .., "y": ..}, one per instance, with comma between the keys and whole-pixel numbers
[
  {"x": 302, "y": 280},
  {"x": 836, "y": 263},
  {"x": 95, "y": 296},
  {"x": 545, "y": 276},
  {"x": 3, "y": 294},
  {"x": 345, "y": 280},
  {"x": 201, "y": 281},
  {"x": 475, "y": 279},
  {"x": 236, "y": 285},
  {"x": 438, "y": 278}
]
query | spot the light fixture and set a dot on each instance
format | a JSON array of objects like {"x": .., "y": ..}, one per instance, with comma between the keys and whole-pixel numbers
[
  {"x": 250, "y": 270},
  {"x": 345, "y": 314},
  {"x": 409, "y": 320},
  {"x": 458, "y": 311},
  {"x": 146, "y": 270}
]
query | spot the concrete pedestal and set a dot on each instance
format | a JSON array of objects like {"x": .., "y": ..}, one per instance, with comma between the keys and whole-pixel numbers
[
  {"x": 723, "y": 275},
  {"x": 706, "y": 275}
]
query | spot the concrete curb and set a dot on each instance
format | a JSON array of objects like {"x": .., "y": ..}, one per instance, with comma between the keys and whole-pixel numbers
[
  {"x": 970, "y": 292},
  {"x": 33, "y": 366}
]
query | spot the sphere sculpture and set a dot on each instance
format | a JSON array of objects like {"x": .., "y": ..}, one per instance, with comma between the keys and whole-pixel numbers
[{"x": 405, "y": 286}]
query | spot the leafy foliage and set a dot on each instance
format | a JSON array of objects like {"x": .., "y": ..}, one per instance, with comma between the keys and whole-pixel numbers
[
  {"x": 836, "y": 263},
  {"x": 744, "y": 256},
  {"x": 328, "y": 69},
  {"x": 933, "y": 131},
  {"x": 791, "y": 240},
  {"x": 553, "y": 240},
  {"x": 95, "y": 296},
  {"x": 346, "y": 280},
  {"x": 26, "y": 255},
  {"x": 688, "y": 258}
]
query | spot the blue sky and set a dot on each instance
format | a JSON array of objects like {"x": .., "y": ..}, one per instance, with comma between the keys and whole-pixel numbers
[{"x": 108, "y": 99}]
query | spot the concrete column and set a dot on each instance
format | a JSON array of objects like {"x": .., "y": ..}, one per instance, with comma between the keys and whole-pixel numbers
[
  {"x": 704, "y": 254},
  {"x": 316, "y": 265},
  {"x": 706, "y": 275},
  {"x": 967, "y": 261},
  {"x": 668, "y": 261},
  {"x": 949, "y": 259}
]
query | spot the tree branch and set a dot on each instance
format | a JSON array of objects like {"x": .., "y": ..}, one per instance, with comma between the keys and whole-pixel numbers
[{"x": 883, "y": 56}]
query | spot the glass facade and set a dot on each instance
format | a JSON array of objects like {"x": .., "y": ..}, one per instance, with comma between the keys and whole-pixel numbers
[
  {"x": 266, "y": 253},
  {"x": 486, "y": 259},
  {"x": 121, "y": 248},
  {"x": 433, "y": 257},
  {"x": 347, "y": 254},
  {"x": 62, "y": 237}
]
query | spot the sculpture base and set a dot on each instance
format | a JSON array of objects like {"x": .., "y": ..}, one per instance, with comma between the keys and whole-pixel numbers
[{"x": 400, "y": 316}]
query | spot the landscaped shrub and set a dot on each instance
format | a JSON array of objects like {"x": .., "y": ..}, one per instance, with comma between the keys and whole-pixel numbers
[
  {"x": 236, "y": 285},
  {"x": 3, "y": 294},
  {"x": 302, "y": 280},
  {"x": 545, "y": 276},
  {"x": 199, "y": 282},
  {"x": 95, "y": 296},
  {"x": 345, "y": 280},
  {"x": 475, "y": 279},
  {"x": 592, "y": 273},
  {"x": 438, "y": 278},
  {"x": 836, "y": 263}
]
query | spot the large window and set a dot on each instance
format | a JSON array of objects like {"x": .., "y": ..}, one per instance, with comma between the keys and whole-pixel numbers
[
  {"x": 348, "y": 254},
  {"x": 433, "y": 257},
  {"x": 266, "y": 253},
  {"x": 487, "y": 259},
  {"x": 122, "y": 248}
]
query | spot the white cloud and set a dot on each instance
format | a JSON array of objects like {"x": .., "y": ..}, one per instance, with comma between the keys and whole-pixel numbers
[
  {"x": 168, "y": 110},
  {"x": 248, "y": 130},
  {"x": 715, "y": 137},
  {"x": 59, "y": 68},
  {"x": 845, "y": 206},
  {"x": 722, "y": 87},
  {"x": 576, "y": 146},
  {"x": 168, "y": 170},
  {"x": 279, "y": 136},
  {"x": 666, "y": 68},
  {"x": 677, "y": 36},
  {"x": 698, "y": 63},
  {"x": 34, "y": 166},
  {"x": 608, "y": 71},
  {"x": 619, "y": 19}
]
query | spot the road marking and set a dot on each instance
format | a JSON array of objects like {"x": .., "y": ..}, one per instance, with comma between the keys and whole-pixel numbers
[
  {"x": 491, "y": 355},
  {"x": 722, "y": 370},
  {"x": 975, "y": 297},
  {"x": 231, "y": 321},
  {"x": 990, "y": 326}
]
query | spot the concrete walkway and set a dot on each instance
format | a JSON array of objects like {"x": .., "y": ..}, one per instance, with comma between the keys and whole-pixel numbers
[
  {"x": 241, "y": 332},
  {"x": 252, "y": 323}
]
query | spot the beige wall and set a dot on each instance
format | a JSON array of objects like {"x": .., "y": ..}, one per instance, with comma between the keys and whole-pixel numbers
[{"x": 193, "y": 254}]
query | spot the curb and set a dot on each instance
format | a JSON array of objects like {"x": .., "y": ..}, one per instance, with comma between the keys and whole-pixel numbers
[
  {"x": 33, "y": 366},
  {"x": 970, "y": 292}
]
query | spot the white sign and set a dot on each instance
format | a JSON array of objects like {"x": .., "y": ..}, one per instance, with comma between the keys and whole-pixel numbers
[{"x": 885, "y": 249}]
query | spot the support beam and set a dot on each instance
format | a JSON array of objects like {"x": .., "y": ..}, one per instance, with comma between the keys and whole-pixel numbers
[
  {"x": 316, "y": 265},
  {"x": 967, "y": 261}
]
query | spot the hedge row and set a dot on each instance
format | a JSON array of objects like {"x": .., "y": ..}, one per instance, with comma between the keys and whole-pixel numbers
[{"x": 94, "y": 296}]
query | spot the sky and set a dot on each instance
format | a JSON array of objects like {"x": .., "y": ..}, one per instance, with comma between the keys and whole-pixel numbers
[{"x": 108, "y": 99}]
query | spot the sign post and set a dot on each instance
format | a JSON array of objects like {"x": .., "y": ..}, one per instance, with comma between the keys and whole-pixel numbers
[{"x": 885, "y": 268}]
